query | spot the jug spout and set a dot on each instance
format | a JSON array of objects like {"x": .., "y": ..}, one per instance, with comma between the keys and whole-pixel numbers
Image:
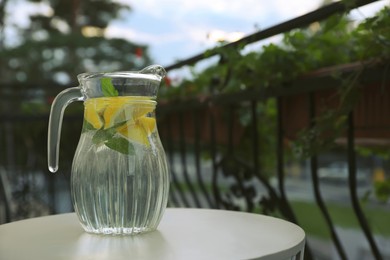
[{"x": 155, "y": 70}]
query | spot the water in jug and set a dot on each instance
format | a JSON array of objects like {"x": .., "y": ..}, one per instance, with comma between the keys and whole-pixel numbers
[{"x": 119, "y": 176}]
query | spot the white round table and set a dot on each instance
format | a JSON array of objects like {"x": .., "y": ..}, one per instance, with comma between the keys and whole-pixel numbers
[{"x": 182, "y": 234}]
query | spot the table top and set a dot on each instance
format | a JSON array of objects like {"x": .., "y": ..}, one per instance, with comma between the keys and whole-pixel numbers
[{"x": 182, "y": 234}]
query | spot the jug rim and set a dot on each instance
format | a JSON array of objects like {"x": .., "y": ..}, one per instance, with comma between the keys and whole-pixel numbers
[
  {"x": 153, "y": 72},
  {"x": 117, "y": 74}
]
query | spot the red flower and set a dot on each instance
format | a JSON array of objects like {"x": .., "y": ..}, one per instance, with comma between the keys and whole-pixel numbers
[
  {"x": 138, "y": 52},
  {"x": 167, "y": 81}
]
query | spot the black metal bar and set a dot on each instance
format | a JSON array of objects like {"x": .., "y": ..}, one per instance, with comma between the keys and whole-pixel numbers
[
  {"x": 163, "y": 132},
  {"x": 197, "y": 150},
  {"x": 175, "y": 182},
  {"x": 298, "y": 22},
  {"x": 28, "y": 118},
  {"x": 316, "y": 188},
  {"x": 5, "y": 194},
  {"x": 183, "y": 154},
  {"x": 353, "y": 188},
  {"x": 256, "y": 155},
  {"x": 230, "y": 155},
  {"x": 280, "y": 165},
  {"x": 230, "y": 129},
  {"x": 284, "y": 204},
  {"x": 2, "y": 143},
  {"x": 255, "y": 139},
  {"x": 213, "y": 151}
]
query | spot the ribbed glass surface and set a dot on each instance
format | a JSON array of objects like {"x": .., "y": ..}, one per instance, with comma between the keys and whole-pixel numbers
[{"x": 118, "y": 190}]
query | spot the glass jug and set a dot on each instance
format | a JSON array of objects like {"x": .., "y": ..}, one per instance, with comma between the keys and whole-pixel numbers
[{"x": 119, "y": 178}]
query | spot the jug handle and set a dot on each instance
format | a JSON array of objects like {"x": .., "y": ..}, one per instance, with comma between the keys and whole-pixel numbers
[{"x": 62, "y": 100}]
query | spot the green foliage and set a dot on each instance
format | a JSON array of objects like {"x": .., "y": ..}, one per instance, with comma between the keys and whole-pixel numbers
[
  {"x": 312, "y": 221},
  {"x": 380, "y": 152},
  {"x": 373, "y": 35},
  {"x": 79, "y": 13},
  {"x": 382, "y": 190},
  {"x": 58, "y": 47},
  {"x": 331, "y": 42},
  {"x": 323, "y": 44},
  {"x": 52, "y": 51},
  {"x": 60, "y": 58},
  {"x": 334, "y": 41}
]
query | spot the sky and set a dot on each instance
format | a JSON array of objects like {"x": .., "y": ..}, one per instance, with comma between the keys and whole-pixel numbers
[{"x": 178, "y": 29}]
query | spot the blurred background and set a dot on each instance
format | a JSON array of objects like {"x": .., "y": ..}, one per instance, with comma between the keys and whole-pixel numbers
[{"x": 244, "y": 120}]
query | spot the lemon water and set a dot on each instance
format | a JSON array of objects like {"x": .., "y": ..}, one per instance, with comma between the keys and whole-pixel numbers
[
  {"x": 119, "y": 180},
  {"x": 119, "y": 177}
]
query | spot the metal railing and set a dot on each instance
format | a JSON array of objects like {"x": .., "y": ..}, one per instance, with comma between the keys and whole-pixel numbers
[
  {"x": 212, "y": 162},
  {"x": 191, "y": 130},
  {"x": 200, "y": 116}
]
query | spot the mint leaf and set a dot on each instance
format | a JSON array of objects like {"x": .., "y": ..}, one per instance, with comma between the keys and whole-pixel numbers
[
  {"x": 121, "y": 145},
  {"x": 108, "y": 88},
  {"x": 107, "y": 137},
  {"x": 102, "y": 135},
  {"x": 87, "y": 127}
]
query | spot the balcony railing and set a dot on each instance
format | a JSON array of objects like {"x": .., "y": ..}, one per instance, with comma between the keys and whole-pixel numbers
[
  {"x": 233, "y": 151},
  {"x": 212, "y": 166}
]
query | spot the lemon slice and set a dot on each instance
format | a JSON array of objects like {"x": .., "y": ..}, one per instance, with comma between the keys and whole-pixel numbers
[
  {"x": 125, "y": 109},
  {"x": 93, "y": 118},
  {"x": 116, "y": 112},
  {"x": 143, "y": 109},
  {"x": 147, "y": 123},
  {"x": 93, "y": 110},
  {"x": 134, "y": 133},
  {"x": 127, "y": 116},
  {"x": 139, "y": 130}
]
